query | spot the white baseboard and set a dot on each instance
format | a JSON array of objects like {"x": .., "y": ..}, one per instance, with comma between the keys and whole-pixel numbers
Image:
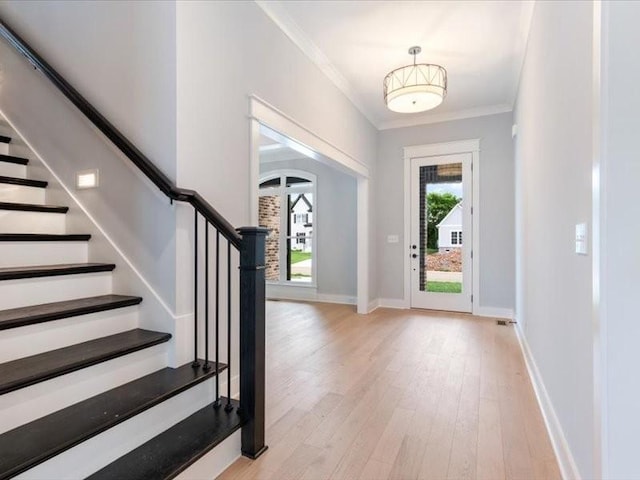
[
  {"x": 393, "y": 303},
  {"x": 308, "y": 294},
  {"x": 568, "y": 467},
  {"x": 373, "y": 304},
  {"x": 387, "y": 303},
  {"x": 494, "y": 312}
]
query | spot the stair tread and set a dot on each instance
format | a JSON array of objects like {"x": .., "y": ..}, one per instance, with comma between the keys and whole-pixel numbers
[
  {"x": 26, "y": 182},
  {"x": 44, "y": 366},
  {"x": 5, "y": 139},
  {"x": 12, "y": 159},
  {"x": 44, "y": 237},
  {"x": 30, "y": 207},
  {"x": 37, "y": 441},
  {"x": 20, "y": 317},
  {"x": 171, "y": 452},
  {"x": 12, "y": 273}
]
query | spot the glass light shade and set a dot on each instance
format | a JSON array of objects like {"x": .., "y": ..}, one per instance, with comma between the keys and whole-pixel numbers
[{"x": 415, "y": 88}]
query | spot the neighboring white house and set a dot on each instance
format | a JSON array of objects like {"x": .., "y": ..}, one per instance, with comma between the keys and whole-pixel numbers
[
  {"x": 450, "y": 230},
  {"x": 301, "y": 222}
]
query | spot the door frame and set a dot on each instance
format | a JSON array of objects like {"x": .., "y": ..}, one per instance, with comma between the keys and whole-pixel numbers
[
  {"x": 263, "y": 114},
  {"x": 471, "y": 146}
]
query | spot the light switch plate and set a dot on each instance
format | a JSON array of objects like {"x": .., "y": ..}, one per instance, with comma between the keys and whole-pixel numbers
[
  {"x": 581, "y": 239},
  {"x": 393, "y": 239}
]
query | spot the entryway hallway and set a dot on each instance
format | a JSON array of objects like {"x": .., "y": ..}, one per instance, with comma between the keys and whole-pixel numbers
[{"x": 396, "y": 394}]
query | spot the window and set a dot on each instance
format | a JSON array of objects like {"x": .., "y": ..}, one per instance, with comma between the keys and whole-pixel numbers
[
  {"x": 456, "y": 238},
  {"x": 286, "y": 208}
]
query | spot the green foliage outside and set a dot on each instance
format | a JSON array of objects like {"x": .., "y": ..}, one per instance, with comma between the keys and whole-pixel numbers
[
  {"x": 438, "y": 205},
  {"x": 444, "y": 287},
  {"x": 298, "y": 256}
]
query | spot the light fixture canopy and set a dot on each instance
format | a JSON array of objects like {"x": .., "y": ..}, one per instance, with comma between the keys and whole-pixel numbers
[{"x": 415, "y": 88}]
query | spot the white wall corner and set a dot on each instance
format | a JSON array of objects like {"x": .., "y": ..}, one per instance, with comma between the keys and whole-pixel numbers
[{"x": 566, "y": 462}]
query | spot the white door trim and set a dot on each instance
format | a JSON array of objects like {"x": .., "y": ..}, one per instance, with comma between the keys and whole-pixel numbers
[
  {"x": 262, "y": 113},
  {"x": 430, "y": 150}
]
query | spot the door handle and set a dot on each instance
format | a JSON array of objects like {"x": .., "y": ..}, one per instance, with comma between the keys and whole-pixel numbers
[{"x": 414, "y": 255}]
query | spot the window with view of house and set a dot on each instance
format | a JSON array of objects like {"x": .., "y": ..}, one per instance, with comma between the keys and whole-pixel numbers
[{"x": 286, "y": 208}]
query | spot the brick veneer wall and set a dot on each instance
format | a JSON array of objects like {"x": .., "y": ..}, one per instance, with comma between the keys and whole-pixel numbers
[{"x": 269, "y": 217}]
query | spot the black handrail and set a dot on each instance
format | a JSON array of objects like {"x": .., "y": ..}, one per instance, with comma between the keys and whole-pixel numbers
[{"x": 145, "y": 165}]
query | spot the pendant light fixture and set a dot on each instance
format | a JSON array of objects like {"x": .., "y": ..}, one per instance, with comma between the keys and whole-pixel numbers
[{"x": 415, "y": 88}]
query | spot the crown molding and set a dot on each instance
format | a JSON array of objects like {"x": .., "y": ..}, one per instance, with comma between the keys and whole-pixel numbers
[
  {"x": 277, "y": 12},
  {"x": 426, "y": 119},
  {"x": 279, "y": 15}
]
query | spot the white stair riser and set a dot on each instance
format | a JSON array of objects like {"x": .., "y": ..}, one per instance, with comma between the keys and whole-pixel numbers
[
  {"x": 96, "y": 453},
  {"x": 13, "y": 170},
  {"x": 16, "y": 221},
  {"x": 17, "y": 254},
  {"x": 216, "y": 461},
  {"x": 34, "y": 291},
  {"x": 30, "y": 403},
  {"x": 30, "y": 340},
  {"x": 22, "y": 194},
  {"x": 4, "y": 148}
]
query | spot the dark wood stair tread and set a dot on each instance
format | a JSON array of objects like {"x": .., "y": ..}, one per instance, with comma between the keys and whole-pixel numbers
[
  {"x": 44, "y": 366},
  {"x": 25, "y": 182},
  {"x": 44, "y": 237},
  {"x": 28, "y": 207},
  {"x": 5, "y": 139},
  {"x": 35, "y": 442},
  {"x": 20, "y": 317},
  {"x": 171, "y": 452},
  {"x": 13, "y": 273},
  {"x": 12, "y": 159}
]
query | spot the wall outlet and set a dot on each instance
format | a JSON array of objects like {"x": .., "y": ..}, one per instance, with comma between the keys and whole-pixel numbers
[
  {"x": 393, "y": 239},
  {"x": 581, "y": 239}
]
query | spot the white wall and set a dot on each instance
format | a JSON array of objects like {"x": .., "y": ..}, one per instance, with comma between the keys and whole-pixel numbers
[
  {"x": 334, "y": 225},
  {"x": 621, "y": 238},
  {"x": 553, "y": 158},
  {"x": 496, "y": 172},
  {"x": 121, "y": 57},
  {"x": 226, "y": 52}
]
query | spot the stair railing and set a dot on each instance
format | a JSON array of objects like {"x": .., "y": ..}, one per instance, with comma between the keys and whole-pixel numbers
[{"x": 248, "y": 241}]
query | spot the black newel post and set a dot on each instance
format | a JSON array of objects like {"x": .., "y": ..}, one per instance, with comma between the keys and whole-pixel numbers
[{"x": 252, "y": 339}]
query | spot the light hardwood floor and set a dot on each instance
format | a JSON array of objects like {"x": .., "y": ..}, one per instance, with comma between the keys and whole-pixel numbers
[{"x": 396, "y": 394}]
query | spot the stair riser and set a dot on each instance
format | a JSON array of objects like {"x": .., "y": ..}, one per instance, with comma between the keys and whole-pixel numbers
[
  {"x": 4, "y": 148},
  {"x": 15, "y": 221},
  {"x": 13, "y": 170},
  {"x": 16, "y": 254},
  {"x": 216, "y": 461},
  {"x": 33, "y": 402},
  {"x": 30, "y": 340},
  {"x": 22, "y": 194},
  {"x": 34, "y": 291},
  {"x": 96, "y": 453}
]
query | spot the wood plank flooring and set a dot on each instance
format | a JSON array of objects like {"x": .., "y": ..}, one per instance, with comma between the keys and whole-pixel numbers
[{"x": 396, "y": 394}]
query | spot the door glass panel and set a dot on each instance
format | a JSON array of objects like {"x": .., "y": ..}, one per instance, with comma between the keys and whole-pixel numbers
[
  {"x": 441, "y": 235},
  {"x": 269, "y": 217}
]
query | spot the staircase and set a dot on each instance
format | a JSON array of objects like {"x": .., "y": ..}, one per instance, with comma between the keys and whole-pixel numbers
[{"x": 83, "y": 390}]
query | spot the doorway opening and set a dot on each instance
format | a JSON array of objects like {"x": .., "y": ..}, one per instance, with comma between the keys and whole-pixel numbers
[{"x": 317, "y": 234}]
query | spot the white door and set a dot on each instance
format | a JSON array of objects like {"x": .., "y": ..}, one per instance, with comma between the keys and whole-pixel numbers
[{"x": 441, "y": 232}]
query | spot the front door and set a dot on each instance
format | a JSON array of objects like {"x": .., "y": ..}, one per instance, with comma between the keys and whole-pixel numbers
[{"x": 441, "y": 232}]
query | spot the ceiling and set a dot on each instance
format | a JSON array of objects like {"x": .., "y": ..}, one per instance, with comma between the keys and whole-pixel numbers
[{"x": 356, "y": 43}]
